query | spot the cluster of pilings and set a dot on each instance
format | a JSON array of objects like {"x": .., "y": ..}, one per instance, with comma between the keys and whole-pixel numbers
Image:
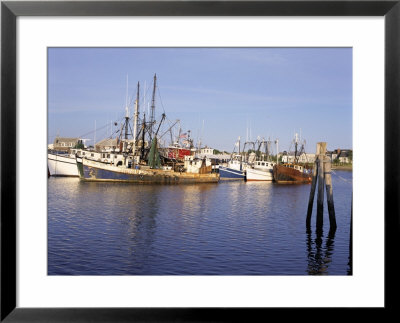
[{"x": 322, "y": 175}]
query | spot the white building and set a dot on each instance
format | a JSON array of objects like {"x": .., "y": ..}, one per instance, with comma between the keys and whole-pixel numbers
[{"x": 303, "y": 158}]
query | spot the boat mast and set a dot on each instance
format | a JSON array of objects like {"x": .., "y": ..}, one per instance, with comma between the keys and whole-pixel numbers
[
  {"x": 143, "y": 136},
  {"x": 240, "y": 156},
  {"x": 126, "y": 112},
  {"x": 268, "y": 150},
  {"x": 153, "y": 106},
  {"x": 135, "y": 121}
]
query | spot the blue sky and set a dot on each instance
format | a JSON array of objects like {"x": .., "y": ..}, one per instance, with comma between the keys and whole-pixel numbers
[{"x": 217, "y": 93}]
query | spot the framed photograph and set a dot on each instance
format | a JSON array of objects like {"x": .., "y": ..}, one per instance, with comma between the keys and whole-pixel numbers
[{"x": 184, "y": 160}]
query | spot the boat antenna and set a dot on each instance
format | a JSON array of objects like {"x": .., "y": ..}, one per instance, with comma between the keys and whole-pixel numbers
[
  {"x": 250, "y": 130},
  {"x": 247, "y": 130},
  {"x": 202, "y": 131},
  {"x": 144, "y": 95},
  {"x": 94, "y": 139}
]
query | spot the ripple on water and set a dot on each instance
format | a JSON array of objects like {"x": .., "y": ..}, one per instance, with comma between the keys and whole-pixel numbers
[{"x": 234, "y": 228}]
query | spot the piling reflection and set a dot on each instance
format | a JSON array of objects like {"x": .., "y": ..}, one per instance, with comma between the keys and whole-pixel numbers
[
  {"x": 319, "y": 256},
  {"x": 350, "y": 262},
  {"x": 226, "y": 229}
]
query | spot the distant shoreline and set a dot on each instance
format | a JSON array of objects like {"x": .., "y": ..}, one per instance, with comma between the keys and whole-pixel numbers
[{"x": 343, "y": 167}]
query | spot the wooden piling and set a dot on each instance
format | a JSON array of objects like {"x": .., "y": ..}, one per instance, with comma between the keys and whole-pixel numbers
[
  {"x": 322, "y": 174},
  {"x": 312, "y": 192},
  {"x": 329, "y": 193},
  {"x": 320, "y": 198},
  {"x": 321, "y": 149}
]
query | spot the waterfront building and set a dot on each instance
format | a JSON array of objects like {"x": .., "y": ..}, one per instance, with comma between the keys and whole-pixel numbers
[
  {"x": 288, "y": 157},
  {"x": 343, "y": 156},
  {"x": 107, "y": 145},
  {"x": 65, "y": 144}
]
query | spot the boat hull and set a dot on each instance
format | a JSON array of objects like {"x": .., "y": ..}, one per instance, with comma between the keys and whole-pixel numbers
[
  {"x": 259, "y": 175},
  {"x": 97, "y": 171},
  {"x": 227, "y": 173},
  {"x": 286, "y": 175},
  {"x": 59, "y": 165}
]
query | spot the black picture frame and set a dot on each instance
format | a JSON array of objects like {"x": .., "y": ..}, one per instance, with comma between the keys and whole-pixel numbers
[{"x": 10, "y": 10}]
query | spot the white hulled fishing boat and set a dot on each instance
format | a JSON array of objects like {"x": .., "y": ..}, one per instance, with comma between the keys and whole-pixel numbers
[
  {"x": 262, "y": 169},
  {"x": 62, "y": 164}
]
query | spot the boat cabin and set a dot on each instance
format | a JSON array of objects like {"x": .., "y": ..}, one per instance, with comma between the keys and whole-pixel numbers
[
  {"x": 297, "y": 167},
  {"x": 263, "y": 164}
]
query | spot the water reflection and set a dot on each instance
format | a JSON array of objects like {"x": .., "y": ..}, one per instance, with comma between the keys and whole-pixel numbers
[
  {"x": 350, "y": 263},
  {"x": 260, "y": 193},
  {"x": 319, "y": 256},
  {"x": 233, "y": 228}
]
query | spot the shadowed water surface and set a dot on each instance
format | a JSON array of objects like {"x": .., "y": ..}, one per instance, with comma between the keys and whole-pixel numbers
[{"x": 230, "y": 228}]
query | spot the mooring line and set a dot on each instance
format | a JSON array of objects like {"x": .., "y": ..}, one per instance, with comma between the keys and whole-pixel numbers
[{"x": 343, "y": 179}]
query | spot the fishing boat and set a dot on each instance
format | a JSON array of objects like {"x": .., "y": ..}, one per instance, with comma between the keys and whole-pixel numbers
[
  {"x": 142, "y": 161},
  {"x": 61, "y": 164},
  {"x": 235, "y": 168},
  {"x": 178, "y": 153},
  {"x": 262, "y": 169},
  {"x": 90, "y": 170},
  {"x": 152, "y": 172},
  {"x": 293, "y": 172},
  {"x": 196, "y": 165},
  {"x": 61, "y": 156}
]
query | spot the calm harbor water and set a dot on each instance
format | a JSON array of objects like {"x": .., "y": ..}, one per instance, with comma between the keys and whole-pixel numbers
[{"x": 229, "y": 228}]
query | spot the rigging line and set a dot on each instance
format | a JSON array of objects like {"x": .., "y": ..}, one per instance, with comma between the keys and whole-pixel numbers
[
  {"x": 159, "y": 95},
  {"x": 147, "y": 93},
  {"x": 343, "y": 179},
  {"x": 89, "y": 133},
  {"x": 97, "y": 129},
  {"x": 105, "y": 133}
]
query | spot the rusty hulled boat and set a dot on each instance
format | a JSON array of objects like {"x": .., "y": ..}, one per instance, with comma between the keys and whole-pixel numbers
[{"x": 291, "y": 174}]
